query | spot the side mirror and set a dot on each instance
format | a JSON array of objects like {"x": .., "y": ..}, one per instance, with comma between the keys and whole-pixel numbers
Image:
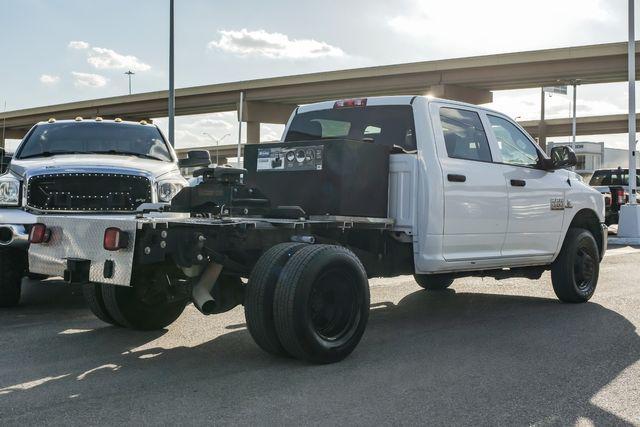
[
  {"x": 562, "y": 157},
  {"x": 195, "y": 158}
]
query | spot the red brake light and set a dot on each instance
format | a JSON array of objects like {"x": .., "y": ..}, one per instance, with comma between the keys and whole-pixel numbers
[
  {"x": 115, "y": 239},
  {"x": 350, "y": 103},
  {"x": 39, "y": 233}
]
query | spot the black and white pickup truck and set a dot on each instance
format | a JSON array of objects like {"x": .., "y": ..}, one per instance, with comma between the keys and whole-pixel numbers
[
  {"x": 80, "y": 167},
  {"x": 613, "y": 184},
  {"x": 357, "y": 188}
]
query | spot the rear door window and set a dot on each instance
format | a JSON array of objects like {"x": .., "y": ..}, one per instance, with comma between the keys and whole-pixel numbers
[{"x": 464, "y": 135}]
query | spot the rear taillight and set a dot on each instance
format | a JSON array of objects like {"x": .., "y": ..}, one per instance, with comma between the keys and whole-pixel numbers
[
  {"x": 115, "y": 239},
  {"x": 350, "y": 103},
  {"x": 39, "y": 233},
  {"x": 618, "y": 195}
]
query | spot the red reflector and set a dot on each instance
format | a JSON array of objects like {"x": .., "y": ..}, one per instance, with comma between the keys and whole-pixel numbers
[
  {"x": 39, "y": 233},
  {"x": 115, "y": 239},
  {"x": 350, "y": 103}
]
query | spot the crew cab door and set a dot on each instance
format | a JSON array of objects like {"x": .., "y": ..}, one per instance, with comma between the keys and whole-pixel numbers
[
  {"x": 536, "y": 197},
  {"x": 475, "y": 193}
]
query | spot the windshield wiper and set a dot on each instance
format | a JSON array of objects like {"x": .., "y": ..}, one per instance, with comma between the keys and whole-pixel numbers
[
  {"x": 50, "y": 153},
  {"x": 128, "y": 153}
]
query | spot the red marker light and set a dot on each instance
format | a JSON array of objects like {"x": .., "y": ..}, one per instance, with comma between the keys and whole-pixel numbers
[
  {"x": 115, "y": 239},
  {"x": 39, "y": 233},
  {"x": 350, "y": 103}
]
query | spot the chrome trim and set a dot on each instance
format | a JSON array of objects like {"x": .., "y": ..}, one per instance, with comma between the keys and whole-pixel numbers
[{"x": 19, "y": 236}]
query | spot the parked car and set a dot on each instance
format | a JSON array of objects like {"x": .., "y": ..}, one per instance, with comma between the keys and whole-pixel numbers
[
  {"x": 613, "y": 184},
  {"x": 80, "y": 167},
  {"x": 358, "y": 188}
]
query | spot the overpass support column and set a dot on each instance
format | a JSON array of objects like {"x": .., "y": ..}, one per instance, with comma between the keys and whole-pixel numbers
[
  {"x": 461, "y": 93},
  {"x": 253, "y": 132}
]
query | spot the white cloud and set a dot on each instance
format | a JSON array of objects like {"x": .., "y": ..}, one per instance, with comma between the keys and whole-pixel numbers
[
  {"x": 48, "y": 79},
  {"x": 272, "y": 45},
  {"x": 473, "y": 27},
  {"x": 78, "y": 45},
  {"x": 103, "y": 58},
  {"x": 209, "y": 124},
  {"x": 89, "y": 80}
]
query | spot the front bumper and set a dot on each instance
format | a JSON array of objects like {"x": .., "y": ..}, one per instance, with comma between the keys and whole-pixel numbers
[{"x": 13, "y": 231}]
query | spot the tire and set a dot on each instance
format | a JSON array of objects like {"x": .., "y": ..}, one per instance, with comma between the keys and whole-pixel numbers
[
  {"x": 92, "y": 293},
  {"x": 434, "y": 282},
  {"x": 574, "y": 273},
  {"x": 259, "y": 294},
  {"x": 321, "y": 304},
  {"x": 13, "y": 267},
  {"x": 146, "y": 305}
]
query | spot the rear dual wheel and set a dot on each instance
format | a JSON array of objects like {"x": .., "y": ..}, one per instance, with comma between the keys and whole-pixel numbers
[
  {"x": 320, "y": 304},
  {"x": 152, "y": 302}
]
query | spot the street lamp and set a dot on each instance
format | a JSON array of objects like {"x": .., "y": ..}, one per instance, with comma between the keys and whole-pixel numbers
[
  {"x": 217, "y": 140},
  {"x": 129, "y": 73}
]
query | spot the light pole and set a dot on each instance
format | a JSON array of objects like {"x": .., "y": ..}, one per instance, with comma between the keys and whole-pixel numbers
[
  {"x": 629, "y": 223},
  {"x": 172, "y": 89},
  {"x": 217, "y": 140},
  {"x": 129, "y": 73}
]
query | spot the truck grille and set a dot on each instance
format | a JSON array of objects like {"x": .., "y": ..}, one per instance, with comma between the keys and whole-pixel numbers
[{"x": 95, "y": 192}]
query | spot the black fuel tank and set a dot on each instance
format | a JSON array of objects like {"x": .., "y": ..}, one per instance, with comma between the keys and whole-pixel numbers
[{"x": 323, "y": 177}]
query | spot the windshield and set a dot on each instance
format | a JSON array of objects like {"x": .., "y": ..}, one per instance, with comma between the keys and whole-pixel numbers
[
  {"x": 95, "y": 138},
  {"x": 384, "y": 124},
  {"x": 612, "y": 177}
]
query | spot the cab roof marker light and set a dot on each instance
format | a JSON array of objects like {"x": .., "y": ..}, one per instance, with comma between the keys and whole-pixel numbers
[
  {"x": 78, "y": 119},
  {"x": 117, "y": 120},
  {"x": 98, "y": 119},
  {"x": 143, "y": 122},
  {"x": 351, "y": 103},
  {"x": 51, "y": 120}
]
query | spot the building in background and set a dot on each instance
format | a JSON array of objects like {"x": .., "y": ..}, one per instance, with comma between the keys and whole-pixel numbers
[{"x": 594, "y": 155}]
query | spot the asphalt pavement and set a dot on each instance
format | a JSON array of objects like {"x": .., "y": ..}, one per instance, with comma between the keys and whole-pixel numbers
[{"x": 485, "y": 352}]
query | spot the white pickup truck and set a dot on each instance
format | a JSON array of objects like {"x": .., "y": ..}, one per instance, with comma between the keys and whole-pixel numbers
[{"x": 466, "y": 193}]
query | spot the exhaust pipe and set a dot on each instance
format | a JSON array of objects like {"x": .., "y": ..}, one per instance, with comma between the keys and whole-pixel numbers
[
  {"x": 14, "y": 236},
  {"x": 201, "y": 292}
]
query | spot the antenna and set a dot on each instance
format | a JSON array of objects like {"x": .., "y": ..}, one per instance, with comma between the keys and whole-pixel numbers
[{"x": 2, "y": 141}]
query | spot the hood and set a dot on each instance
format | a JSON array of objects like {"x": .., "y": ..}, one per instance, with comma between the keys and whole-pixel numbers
[{"x": 93, "y": 162}]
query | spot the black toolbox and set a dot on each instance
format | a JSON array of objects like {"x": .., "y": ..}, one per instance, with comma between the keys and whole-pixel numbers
[{"x": 324, "y": 177}]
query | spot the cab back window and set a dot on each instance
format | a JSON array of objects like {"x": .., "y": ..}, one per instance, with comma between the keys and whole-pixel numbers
[{"x": 380, "y": 124}]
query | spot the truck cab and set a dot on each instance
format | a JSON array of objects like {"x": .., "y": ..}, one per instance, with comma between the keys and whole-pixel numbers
[{"x": 468, "y": 186}]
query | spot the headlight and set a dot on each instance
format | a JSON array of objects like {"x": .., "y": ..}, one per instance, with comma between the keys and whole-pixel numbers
[
  {"x": 9, "y": 191},
  {"x": 167, "y": 190}
]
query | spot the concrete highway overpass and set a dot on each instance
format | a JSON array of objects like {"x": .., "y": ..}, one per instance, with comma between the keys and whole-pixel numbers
[
  {"x": 589, "y": 125},
  {"x": 271, "y": 100}
]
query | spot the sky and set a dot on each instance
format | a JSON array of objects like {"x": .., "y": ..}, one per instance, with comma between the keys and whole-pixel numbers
[{"x": 56, "y": 51}]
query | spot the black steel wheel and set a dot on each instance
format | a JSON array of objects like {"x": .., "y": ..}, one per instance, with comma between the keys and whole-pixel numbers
[
  {"x": 321, "y": 303},
  {"x": 574, "y": 273},
  {"x": 153, "y": 301},
  {"x": 434, "y": 282},
  {"x": 92, "y": 293},
  {"x": 13, "y": 267},
  {"x": 259, "y": 293}
]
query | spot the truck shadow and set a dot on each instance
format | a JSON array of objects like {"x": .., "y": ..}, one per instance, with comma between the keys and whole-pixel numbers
[{"x": 437, "y": 358}]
